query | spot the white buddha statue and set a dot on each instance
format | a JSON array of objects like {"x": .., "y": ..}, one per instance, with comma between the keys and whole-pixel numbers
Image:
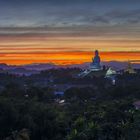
[{"x": 95, "y": 65}]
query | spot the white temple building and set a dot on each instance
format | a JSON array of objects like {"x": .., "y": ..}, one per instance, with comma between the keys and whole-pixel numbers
[
  {"x": 110, "y": 72},
  {"x": 111, "y": 75}
]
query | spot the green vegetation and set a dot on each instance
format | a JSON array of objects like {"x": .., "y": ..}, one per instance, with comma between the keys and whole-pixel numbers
[{"x": 88, "y": 113}]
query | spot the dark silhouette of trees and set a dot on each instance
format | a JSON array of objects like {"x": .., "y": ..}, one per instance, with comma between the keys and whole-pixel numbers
[{"x": 93, "y": 109}]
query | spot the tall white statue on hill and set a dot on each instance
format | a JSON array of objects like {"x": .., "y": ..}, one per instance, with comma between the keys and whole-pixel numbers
[{"x": 95, "y": 65}]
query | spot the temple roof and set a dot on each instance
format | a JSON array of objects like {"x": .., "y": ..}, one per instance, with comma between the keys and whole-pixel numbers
[
  {"x": 130, "y": 69},
  {"x": 110, "y": 71}
]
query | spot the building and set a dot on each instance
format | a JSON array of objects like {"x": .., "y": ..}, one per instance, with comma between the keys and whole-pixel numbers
[
  {"x": 130, "y": 69},
  {"x": 110, "y": 73}
]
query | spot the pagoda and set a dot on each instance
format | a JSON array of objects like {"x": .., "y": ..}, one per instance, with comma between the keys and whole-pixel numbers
[{"x": 130, "y": 69}]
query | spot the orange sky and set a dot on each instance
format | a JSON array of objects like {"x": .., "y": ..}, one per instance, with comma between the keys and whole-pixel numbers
[
  {"x": 19, "y": 50},
  {"x": 64, "y": 58},
  {"x": 68, "y": 31}
]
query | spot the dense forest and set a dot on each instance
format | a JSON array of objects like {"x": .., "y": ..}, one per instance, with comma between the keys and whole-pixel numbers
[{"x": 98, "y": 112}]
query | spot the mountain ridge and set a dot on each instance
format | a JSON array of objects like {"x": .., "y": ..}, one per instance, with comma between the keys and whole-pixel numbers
[{"x": 38, "y": 67}]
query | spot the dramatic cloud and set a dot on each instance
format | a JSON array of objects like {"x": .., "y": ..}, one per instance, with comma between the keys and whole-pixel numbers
[
  {"x": 30, "y": 13},
  {"x": 38, "y": 30}
]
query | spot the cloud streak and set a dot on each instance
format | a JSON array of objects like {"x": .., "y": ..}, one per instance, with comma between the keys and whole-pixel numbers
[
  {"x": 18, "y": 13},
  {"x": 36, "y": 29}
]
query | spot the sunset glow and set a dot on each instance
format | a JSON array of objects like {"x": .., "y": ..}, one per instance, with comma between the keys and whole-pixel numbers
[
  {"x": 65, "y": 58},
  {"x": 47, "y": 32}
]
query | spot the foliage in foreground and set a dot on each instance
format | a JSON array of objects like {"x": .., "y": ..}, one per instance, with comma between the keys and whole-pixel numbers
[{"x": 86, "y": 115}]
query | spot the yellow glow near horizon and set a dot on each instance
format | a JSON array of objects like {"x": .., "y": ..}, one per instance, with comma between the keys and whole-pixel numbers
[
  {"x": 66, "y": 50},
  {"x": 65, "y": 58}
]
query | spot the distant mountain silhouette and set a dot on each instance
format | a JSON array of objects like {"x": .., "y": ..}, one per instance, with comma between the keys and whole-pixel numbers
[
  {"x": 37, "y": 67},
  {"x": 120, "y": 65}
]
